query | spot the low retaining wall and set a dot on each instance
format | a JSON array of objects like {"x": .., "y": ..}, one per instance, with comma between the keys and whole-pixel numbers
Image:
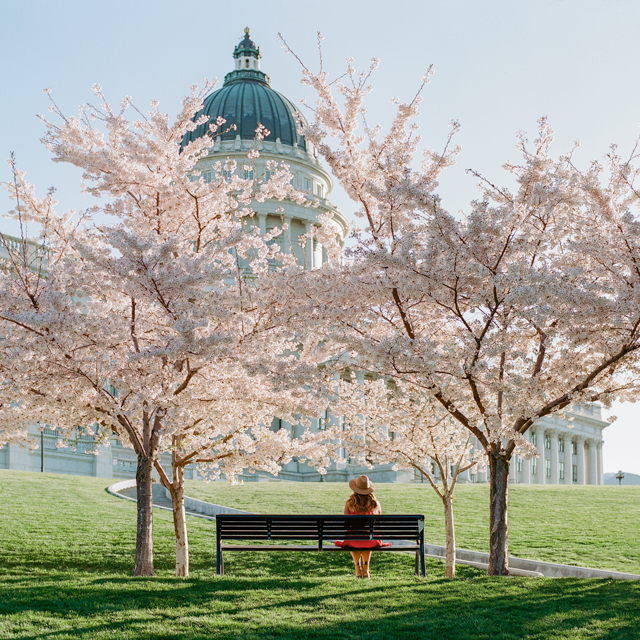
[
  {"x": 205, "y": 508},
  {"x": 196, "y": 507},
  {"x": 548, "y": 569}
]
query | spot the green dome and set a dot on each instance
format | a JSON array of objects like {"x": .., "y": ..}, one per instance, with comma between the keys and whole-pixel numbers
[{"x": 247, "y": 100}]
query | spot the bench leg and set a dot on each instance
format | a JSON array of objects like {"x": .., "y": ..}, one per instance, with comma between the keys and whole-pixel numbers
[
  {"x": 417, "y": 570},
  {"x": 423, "y": 569},
  {"x": 219, "y": 561}
]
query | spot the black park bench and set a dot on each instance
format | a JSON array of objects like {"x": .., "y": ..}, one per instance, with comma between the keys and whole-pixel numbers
[{"x": 322, "y": 531}]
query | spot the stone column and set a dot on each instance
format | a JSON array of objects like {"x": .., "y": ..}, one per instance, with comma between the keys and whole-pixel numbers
[
  {"x": 481, "y": 476},
  {"x": 554, "y": 456},
  {"x": 600, "y": 467},
  {"x": 580, "y": 452},
  {"x": 262, "y": 223},
  {"x": 308, "y": 249},
  {"x": 542, "y": 465},
  {"x": 288, "y": 237},
  {"x": 568, "y": 460},
  {"x": 526, "y": 471},
  {"x": 592, "y": 471},
  {"x": 320, "y": 255},
  {"x": 513, "y": 469}
]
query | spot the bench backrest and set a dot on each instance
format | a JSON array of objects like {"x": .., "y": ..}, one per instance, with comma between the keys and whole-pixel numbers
[{"x": 316, "y": 527}]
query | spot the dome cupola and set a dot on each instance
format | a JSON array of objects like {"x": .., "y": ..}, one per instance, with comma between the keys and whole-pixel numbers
[{"x": 247, "y": 100}]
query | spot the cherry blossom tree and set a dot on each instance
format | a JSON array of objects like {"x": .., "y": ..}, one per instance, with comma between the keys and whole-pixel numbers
[
  {"x": 227, "y": 433},
  {"x": 144, "y": 320},
  {"x": 390, "y": 423},
  {"x": 518, "y": 310}
]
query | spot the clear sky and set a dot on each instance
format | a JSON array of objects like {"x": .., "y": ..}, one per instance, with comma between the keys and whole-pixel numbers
[{"x": 499, "y": 66}]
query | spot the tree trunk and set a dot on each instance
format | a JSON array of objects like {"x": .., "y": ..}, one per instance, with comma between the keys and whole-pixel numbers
[
  {"x": 450, "y": 570},
  {"x": 144, "y": 534},
  {"x": 499, "y": 535},
  {"x": 180, "y": 524}
]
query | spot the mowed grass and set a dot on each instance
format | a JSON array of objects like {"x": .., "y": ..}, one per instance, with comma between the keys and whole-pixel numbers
[
  {"x": 66, "y": 555},
  {"x": 588, "y": 526}
]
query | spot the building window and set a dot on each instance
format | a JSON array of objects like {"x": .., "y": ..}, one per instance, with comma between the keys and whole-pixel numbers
[
  {"x": 547, "y": 442},
  {"x": 574, "y": 448},
  {"x": 320, "y": 191},
  {"x": 534, "y": 440},
  {"x": 324, "y": 421},
  {"x": 534, "y": 467},
  {"x": 306, "y": 184},
  {"x": 248, "y": 174},
  {"x": 561, "y": 445},
  {"x": 433, "y": 469},
  {"x": 548, "y": 468},
  {"x": 575, "y": 473},
  {"x": 472, "y": 477},
  {"x": 519, "y": 465},
  {"x": 561, "y": 471}
]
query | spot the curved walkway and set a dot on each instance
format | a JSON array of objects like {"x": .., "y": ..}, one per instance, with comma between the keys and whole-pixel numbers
[{"x": 126, "y": 489}]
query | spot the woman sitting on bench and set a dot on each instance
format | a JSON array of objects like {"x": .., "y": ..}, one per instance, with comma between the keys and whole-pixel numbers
[{"x": 362, "y": 502}]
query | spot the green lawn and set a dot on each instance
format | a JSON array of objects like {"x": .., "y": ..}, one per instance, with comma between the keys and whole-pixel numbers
[
  {"x": 66, "y": 553},
  {"x": 587, "y": 526}
]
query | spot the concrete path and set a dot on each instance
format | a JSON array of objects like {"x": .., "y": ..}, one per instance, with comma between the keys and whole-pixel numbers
[
  {"x": 517, "y": 566},
  {"x": 197, "y": 508}
]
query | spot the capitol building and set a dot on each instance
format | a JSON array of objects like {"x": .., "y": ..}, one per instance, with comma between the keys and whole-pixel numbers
[{"x": 568, "y": 455}]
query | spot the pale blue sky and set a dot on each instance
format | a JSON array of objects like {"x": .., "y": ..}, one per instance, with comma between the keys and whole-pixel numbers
[{"x": 499, "y": 66}]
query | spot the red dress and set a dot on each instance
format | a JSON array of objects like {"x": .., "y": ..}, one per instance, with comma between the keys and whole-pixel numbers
[{"x": 361, "y": 544}]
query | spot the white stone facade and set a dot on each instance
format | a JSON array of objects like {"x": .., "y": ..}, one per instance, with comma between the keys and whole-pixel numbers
[
  {"x": 308, "y": 176},
  {"x": 570, "y": 451}
]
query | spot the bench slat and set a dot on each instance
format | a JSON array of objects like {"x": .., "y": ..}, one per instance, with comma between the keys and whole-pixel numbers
[
  {"x": 306, "y": 547},
  {"x": 319, "y": 529}
]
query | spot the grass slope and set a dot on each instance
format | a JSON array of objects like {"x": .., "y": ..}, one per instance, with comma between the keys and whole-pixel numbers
[
  {"x": 588, "y": 526},
  {"x": 66, "y": 553}
]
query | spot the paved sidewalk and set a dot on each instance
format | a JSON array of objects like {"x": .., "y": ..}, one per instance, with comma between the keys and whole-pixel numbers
[
  {"x": 197, "y": 508},
  {"x": 160, "y": 500}
]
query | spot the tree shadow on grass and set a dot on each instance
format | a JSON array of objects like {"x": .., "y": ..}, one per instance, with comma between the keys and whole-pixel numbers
[{"x": 476, "y": 608}]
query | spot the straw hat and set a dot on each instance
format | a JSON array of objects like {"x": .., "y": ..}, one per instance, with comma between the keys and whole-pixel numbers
[{"x": 362, "y": 485}]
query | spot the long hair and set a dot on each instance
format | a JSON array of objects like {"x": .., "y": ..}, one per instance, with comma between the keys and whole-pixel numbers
[{"x": 363, "y": 504}]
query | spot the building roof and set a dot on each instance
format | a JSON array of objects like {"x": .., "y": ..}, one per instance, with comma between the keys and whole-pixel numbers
[{"x": 247, "y": 100}]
